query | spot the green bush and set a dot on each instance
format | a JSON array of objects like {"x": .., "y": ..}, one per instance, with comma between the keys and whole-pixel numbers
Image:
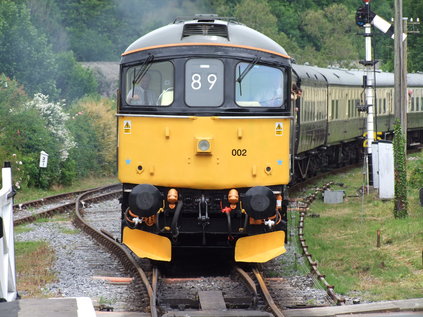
[
  {"x": 93, "y": 125},
  {"x": 416, "y": 176},
  {"x": 25, "y": 54},
  {"x": 73, "y": 80}
]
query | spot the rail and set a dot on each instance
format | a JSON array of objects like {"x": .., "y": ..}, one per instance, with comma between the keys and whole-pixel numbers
[
  {"x": 313, "y": 264},
  {"x": 112, "y": 245},
  {"x": 61, "y": 208}
]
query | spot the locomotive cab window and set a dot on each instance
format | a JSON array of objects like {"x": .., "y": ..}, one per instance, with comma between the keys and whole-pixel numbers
[
  {"x": 204, "y": 82},
  {"x": 149, "y": 84},
  {"x": 259, "y": 86}
]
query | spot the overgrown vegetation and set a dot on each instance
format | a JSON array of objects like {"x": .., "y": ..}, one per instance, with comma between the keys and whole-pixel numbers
[
  {"x": 43, "y": 89},
  {"x": 401, "y": 202},
  {"x": 344, "y": 240},
  {"x": 80, "y": 139},
  {"x": 81, "y": 184},
  {"x": 33, "y": 260}
]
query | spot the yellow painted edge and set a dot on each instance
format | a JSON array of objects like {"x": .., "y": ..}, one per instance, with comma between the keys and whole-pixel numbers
[
  {"x": 260, "y": 248},
  {"x": 147, "y": 245}
]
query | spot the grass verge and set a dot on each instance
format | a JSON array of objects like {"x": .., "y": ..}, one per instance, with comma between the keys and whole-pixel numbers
[
  {"x": 33, "y": 261},
  {"x": 36, "y": 193},
  {"x": 344, "y": 241}
]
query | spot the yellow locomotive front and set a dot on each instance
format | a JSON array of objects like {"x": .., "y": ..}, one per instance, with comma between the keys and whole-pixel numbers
[{"x": 204, "y": 128}]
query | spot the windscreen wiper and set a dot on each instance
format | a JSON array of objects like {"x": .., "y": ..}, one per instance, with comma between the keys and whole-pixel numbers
[
  {"x": 145, "y": 66},
  {"x": 247, "y": 69},
  {"x": 245, "y": 72}
]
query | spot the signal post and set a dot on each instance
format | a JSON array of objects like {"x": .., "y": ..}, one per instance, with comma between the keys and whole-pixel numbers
[{"x": 364, "y": 18}]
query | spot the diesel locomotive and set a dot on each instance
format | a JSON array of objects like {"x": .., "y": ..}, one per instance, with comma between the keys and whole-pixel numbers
[
  {"x": 204, "y": 140},
  {"x": 214, "y": 122}
]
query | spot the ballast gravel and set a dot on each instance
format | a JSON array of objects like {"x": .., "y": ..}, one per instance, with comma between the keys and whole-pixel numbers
[{"x": 79, "y": 263}]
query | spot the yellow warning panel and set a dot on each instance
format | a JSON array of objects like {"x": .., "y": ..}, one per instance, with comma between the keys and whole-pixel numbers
[
  {"x": 147, "y": 245},
  {"x": 260, "y": 248},
  {"x": 127, "y": 126},
  {"x": 279, "y": 128}
]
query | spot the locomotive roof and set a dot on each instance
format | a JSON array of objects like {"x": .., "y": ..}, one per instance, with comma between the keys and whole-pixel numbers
[{"x": 208, "y": 29}]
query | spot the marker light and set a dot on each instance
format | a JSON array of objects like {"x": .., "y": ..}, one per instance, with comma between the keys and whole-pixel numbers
[{"x": 204, "y": 145}]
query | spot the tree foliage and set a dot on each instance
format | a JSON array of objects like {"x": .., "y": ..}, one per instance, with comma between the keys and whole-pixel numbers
[
  {"x": 414, "y": 9},
  {"x": 73, "y": 80},
  {"x": 93, "y": 125},
  {"x": 24, "y": 52},
  {"x": 331, "y": 38},
  {"x": 80, "y": 144},
  {"x": 321, "y": 32},
  {"x": 27, "y": 56},
  {"x": 25, "y": 132}
]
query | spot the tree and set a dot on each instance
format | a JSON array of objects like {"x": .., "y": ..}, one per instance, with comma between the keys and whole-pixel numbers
[
  {"x": 94, "y": 128},
  {"x": 11, "y": 96},
  {"x": 24, "y": 52},
  {"x": 247, "y": 12},
  {"x": 73, "y": 80},
  {"x": 265, "y": 22},
  {"x": 28, "y": 127},
  {"x": 47, "y": 19},
  {"x": 329, "y": 31},
  {"x": 414, "y": 9},
  {"x": 288, "y": 18}
]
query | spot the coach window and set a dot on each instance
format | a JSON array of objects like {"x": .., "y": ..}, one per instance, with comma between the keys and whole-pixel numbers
[
  {"x": 204, "y": 82},
  {"x": 149, "y": 84},
  {"x": 259, "y": 85}
]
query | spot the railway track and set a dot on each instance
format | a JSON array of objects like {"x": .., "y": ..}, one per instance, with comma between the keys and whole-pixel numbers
[
  {"x": 46, "y": 207},
  {"x": 243, "y": 290},
  {"x": 173, "y": 295},
  {"x": 167, "y": 295}
]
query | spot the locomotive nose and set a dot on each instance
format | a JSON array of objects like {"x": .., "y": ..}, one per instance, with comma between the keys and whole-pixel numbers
[
  {"x": 145, "y": 200},
  {"x": 259, "y": 202}
]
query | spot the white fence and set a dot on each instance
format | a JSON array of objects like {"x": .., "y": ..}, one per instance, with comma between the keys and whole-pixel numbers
[{"x": 7, "y": 245}]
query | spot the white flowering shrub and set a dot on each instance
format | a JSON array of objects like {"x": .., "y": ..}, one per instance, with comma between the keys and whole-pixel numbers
[{"x": 55, "y": 118}]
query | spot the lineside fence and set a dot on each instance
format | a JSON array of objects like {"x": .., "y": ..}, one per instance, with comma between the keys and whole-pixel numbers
[{"x": 7, "y": 245}]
